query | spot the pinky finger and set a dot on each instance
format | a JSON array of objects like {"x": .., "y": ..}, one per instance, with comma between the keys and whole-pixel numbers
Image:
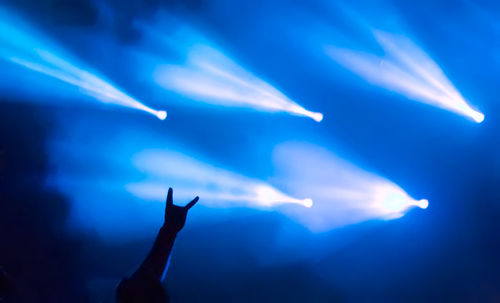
[{"x": 192, "y": 203}]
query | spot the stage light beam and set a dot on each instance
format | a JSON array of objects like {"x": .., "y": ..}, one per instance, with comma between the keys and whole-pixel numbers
[
  {"x": 343, "y": 193},
  {"x": 210, "y": 76},
  {"x": 405, "y": 69},
  {"x": 20, "y": 44},
  {"x": 219, "y": 187}
]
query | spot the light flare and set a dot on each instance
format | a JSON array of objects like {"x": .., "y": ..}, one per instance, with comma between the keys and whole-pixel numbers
[
  {"x": 343, "y": 193},
  {"x": 217, "y": 186},
  {"x": 405, "y": 69},
  {"x": 24, "y": 46},
  {"x": 210, "y": 76}
]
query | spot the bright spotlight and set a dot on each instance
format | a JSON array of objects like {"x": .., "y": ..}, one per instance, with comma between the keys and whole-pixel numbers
[
  {"x": 210, "y": 76},
  {"x": 393, "y": 199},
  {"x": 343, "y": 193},
  {"x": 308, "y": 202},
  {"x": 24, "y": 46},
  {"x": 423, "y": 204},
  {"x": 478, "y": 117},
  {"x": 318, "y": 117},
  {"x": 405, "y": 69},
  {"x": 218, "y": 187},
  {"x": 161, "y": 114}
]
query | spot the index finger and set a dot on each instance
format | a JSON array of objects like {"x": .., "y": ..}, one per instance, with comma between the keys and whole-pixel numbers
[{"x": 170, "y": 199}]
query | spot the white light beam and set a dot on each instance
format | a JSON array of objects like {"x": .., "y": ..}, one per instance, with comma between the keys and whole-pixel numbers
[
  {"x": 343, "y": 193},
  {"x": 21, "y": 45},
  {"x": 216, "y": 186},
  {"x": 405, "y": 69},
  {"x": 210, "y": 76}
]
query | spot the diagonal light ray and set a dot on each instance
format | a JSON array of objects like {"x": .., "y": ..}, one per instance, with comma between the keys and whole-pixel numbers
[
  {"x": 210, "y": 76},
  {"x": 23, "y": 46},
  {"x": 217, "y": 186},
  {"x": 343, "y": 193},
  {"x": 405, "y": 69}
]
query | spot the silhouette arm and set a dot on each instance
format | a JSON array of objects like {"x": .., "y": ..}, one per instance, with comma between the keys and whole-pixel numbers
[
  {"x": 145, "y": 283},
  {"x": 156, "y": 263}
]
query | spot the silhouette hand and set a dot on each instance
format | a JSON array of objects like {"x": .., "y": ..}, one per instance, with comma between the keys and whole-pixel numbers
[{"x": 175, "y": 216}]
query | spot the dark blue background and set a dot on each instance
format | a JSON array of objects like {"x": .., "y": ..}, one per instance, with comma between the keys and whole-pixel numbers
[{"x": 449, "y": 251}]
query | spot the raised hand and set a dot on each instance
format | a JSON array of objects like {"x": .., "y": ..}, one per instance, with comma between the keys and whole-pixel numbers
[{"x": 175, "y": 216}]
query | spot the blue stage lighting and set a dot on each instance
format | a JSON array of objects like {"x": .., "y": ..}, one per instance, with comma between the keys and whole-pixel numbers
[
  {"x": 210, "y": 76},
  {"x": 218, "y": 187},
  {"x": 311, "y": 185},
  {"x": 343, "y": 193},
  {"x": 405, "y": 69},
  {"x": 22, "y": 45}
]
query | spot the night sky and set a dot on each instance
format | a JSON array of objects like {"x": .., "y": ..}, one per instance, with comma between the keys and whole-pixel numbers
[{"x": 70, "y": 232}]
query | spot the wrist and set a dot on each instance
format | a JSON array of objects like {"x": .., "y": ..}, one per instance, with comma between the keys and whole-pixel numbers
[{"x": 167, "y": 229}]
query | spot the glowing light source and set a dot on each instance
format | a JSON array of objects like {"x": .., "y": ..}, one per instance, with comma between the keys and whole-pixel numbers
[
  {"x": 308, "y": 202},
  {"x": 423, "y": 204},
  {"x": 407, "y": 70},
  {"x": 477, "y": 116},
  {"x": 217, "y": 186},
  {"x": 343, "y": 193},
  {"x": 391, "y": 198},
  {"x": 21, "y": 45},
  {"x": 210, "y": 76},
  {"x": 161, "y": 114}
]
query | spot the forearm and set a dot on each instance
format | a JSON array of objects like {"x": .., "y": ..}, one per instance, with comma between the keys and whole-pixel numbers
[{"x": 156, "y": 261}]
